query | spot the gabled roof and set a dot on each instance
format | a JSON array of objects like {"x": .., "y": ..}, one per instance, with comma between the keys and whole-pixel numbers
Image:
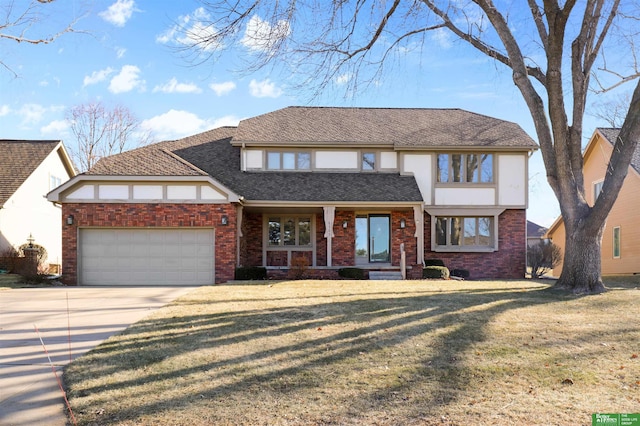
[
  {"x": 20, "y": 158},
  {"x": 401, "y": 128},
  {"x": 211, "y": 153},
  {"x": 611, "y": 135},
  {"x": 534, "y": 230}
]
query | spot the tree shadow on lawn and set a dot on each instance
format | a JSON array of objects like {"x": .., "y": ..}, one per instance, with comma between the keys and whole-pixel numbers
[{"x": 337, "y": 338}]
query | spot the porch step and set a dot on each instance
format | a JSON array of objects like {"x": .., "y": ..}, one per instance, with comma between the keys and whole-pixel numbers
[{"x": 385, "y": 275}]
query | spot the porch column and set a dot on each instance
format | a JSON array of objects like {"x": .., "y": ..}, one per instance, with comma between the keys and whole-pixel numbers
[
  {"x": 329, "y": 216},
  {"x": 418, "y": 218},
  {"x": 238, "y": 233}
]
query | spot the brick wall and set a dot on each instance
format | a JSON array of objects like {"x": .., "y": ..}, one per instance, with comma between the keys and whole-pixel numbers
[
  {"x": 117, "y": 215},
  {"x": 507, "y": 263},
  {"x": 251, "y": 242}
]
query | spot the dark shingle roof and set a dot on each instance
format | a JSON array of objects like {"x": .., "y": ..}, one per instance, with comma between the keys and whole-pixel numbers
[
  {"x": 222, "y": 161},
  {"x": 611, "y": 134},
  {"x": 18, "y": 159},
  {"x": 157, "y": 159},
  {"x": 217, "y": 152},
  {"x": 394, "y": 127}
]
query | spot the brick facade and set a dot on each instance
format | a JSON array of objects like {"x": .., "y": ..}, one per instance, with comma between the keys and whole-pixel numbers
[
  {"x": 508, "y": 262},
  {"x": 123, "y": 215}
]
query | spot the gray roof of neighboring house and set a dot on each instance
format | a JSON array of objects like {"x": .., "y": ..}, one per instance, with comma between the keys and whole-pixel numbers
[
  {"x": 534, "y": 230},
  {"x": 18, "y": 159},
  {"x": 611, "y": 134},
  {"x": 402, "y": 128}
]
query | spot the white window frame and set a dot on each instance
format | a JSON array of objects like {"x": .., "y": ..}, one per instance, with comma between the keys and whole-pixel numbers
[
  {"x": 616, "y": 247},
  {"x": 296, "y": 161},
  {"x": 54, "y": 182},
  {"x": 464, "y": 178},
  {"x": 374, "y": 167},
  {"x": 597, "y": 189}
]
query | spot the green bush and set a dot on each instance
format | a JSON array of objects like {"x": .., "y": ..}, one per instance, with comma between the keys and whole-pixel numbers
[
  {"x": 352, "y": 273},
  {"x": 434, "y": 262},
  {"x": 462, "y": 273},
  {"x": 245, "y": 273},
  {"x": 435, "y": 272}
]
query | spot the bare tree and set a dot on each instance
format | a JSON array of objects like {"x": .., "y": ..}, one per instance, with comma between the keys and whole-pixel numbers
[
  {"x": 612, "y": 111},
  {"x": 543, "y": 257},
  {"x": 552, "y": 47},
  {"x": 100, "y": 131},
  {"x": 21, "y": 22}
]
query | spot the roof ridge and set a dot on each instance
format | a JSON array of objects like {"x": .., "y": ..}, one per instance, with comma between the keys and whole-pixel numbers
[{"x": 183, "y": 161}]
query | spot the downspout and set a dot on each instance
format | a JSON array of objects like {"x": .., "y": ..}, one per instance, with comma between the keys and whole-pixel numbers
[{"x": 329, "y": 217}]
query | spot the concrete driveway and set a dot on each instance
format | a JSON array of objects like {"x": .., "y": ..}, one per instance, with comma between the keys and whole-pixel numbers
[{"x": 71, "y": 321}]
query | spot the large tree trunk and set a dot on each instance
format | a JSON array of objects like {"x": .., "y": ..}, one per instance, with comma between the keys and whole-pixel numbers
[{"x": 582, "y": 261}]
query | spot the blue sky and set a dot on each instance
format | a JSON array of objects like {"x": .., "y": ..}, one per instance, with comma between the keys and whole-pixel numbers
[{"x": 125, "y": 58}]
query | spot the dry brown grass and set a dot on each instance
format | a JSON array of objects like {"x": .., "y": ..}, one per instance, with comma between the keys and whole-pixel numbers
[{"x": 369, "y": 353}]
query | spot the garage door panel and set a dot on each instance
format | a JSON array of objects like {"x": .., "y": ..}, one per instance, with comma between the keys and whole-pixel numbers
[{"x": 146, "y": 256}]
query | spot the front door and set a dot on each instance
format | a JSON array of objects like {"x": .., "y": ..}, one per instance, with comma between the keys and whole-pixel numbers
[{"x": 373, "y": 238}]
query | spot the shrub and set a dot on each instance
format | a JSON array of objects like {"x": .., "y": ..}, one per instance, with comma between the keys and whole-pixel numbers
[
  {"x": 461, "y": 273},
  {"x": 10, "y": 260},
  {"x": 543, "y": 257},
  {"x": 244, "y": 273},
  {"x": 435, "y": 272},
  {"x": 352, "y": 273},
  {"x": 434, "y": 262},
  {"x": 299, "y": 266}
]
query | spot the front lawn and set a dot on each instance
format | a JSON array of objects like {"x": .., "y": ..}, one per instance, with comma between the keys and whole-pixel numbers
[{"x": 369, "y": 353}]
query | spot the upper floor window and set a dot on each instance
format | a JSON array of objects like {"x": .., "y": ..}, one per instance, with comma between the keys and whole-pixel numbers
[
  {"x": 54, "y": 182},
  {"x": 465, "y": 168},
  {"x": 288, "y": 160},
  {"x": 597, "y": 189},
  {"x": 289, "y": 231},
  {"x": 368, "y": 161},
  {"x": 464, "y": 231}
]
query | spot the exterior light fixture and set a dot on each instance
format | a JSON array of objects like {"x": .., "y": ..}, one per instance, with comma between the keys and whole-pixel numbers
[
  {"x": 403, "y": 223},
  {"x": 345, "y": 224},
  {"x": 224, "y": 220},
  {"x": 70, "y": 219}
]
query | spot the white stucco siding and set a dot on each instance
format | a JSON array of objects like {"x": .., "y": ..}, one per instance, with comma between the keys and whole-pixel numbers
[
  {"x": 388, "y": 160},
  {"x": 114, "y": 192},
  {"x": 465, "y": 196},
  {"x": 512, "y": 180},
  {"x": 337, "y": 160},
  {"x": 419, "y": 165},
  {"x": 181, "y": 192},
  {"x": 147, "y": 192},
  {"x": 253, "y": 159},
  {"x": 28, "y": 212}
]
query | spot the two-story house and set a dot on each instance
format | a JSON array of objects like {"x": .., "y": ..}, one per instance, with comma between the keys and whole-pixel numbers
[
  {"x": 339, "y": 187},
  {"x": 29, "y": 169},
  {"x": 620, "y": 250}
]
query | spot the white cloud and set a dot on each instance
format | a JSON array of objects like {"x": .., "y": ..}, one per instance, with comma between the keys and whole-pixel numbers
[
  {"x": 176, "y": 124},
  {"x": 127, "y": 80},
  {"x": 56, "y": 127},
  {"x": 442, "y": 38},
  {"x": 31, "y": 113},
  {"x": 120, "y": 52},
  {"x": 261, "y": 35},
  {"x": 172, "y": 86},
  {"x": 97, "y": 76},
  {"x": 4, "y": 110},
  {"x": 119, "y": 12},
  {"x": 192, "y": 30},
  {"x": 264, "y": 89},
  {"x": 222, "y": 88},
  {"x": 343, "y": 78}
]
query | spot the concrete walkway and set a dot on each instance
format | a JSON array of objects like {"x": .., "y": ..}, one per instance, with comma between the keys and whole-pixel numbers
[{"x": 29, "y": 392}]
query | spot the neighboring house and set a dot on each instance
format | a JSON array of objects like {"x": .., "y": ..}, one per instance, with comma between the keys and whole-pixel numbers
[
  {"x": 535, "y": 233},
  {"x": 339, "y": 187},
  {"x": 28, "y": 171},
  {"x": 621, "y": 235}
]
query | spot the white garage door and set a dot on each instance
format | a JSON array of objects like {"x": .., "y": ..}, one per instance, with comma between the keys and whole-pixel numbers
[{"x": 146, "y": 256}]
